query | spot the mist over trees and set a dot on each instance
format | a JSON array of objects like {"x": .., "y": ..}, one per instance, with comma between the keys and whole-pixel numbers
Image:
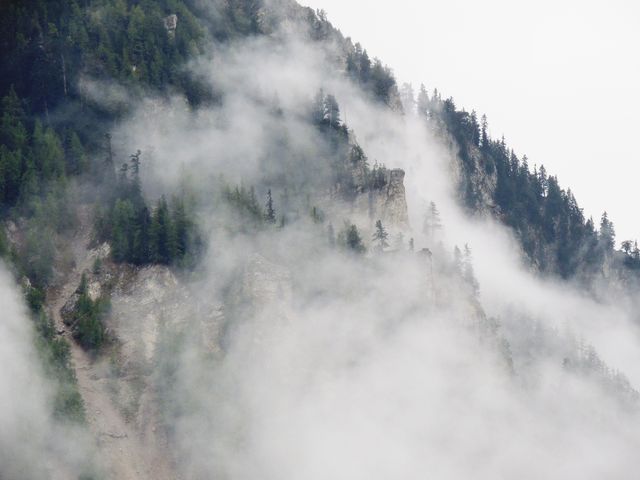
[{"x": 292, "y": 238}]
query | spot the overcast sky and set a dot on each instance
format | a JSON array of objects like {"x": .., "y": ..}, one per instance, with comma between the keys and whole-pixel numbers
[{"x": 560, "y": 79}]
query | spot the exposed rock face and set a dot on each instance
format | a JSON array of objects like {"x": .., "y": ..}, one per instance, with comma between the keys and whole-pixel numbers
[
  {"x": 363, "y": 195},
  {"x": 387, "y": 203},
  {"x": 66, "y": 312},
  {"x": 170, "y": 24},
  {"x": 261, "y": 298},
  {"x": 481, "y": 182},
  {"x": 145, "y": 300},
  {"x": 265, "y": 283},
  {"x": 390, "y": 203}
]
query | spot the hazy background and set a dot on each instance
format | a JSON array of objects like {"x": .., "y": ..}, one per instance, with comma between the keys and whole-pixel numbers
[{"x": 561, "y": 80}]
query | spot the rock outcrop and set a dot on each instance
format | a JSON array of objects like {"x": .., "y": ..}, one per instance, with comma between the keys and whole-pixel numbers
[
  {"x": 170, "y": 24},
  {"x": 387, "y": 203}
]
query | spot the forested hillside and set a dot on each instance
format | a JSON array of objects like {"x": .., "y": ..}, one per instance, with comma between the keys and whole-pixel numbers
[
  {"x": 57, "y": 56},
  {"x": 51, "y": 129},
  {"x": 205, "y": 207},
  {"x": 555, "y": 235}
]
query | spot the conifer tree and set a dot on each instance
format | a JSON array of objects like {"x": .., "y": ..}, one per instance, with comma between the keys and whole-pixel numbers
[
  {"x": 162, "y": 238},
  {"x": 331, "y": 111},
  {"x": 467, "y": 271},
  {"x": 380, "y": 236},
  {"x": 350, "y": 239},
  {"x": 457, "y": 260},
  {"x": 423, "y": 102},
  {"x": 270, "y": 212},
  {"x": 607, "y": 234},
  {"x": 432, "y": 223},
  {"x": 484, "y": 134},
  {"x": 318, "y": 108}
]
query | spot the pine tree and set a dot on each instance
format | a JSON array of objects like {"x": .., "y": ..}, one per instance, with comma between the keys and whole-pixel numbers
[
  {"x": 467, "y": 271},
  {"x": 122, "y": 230},
  {"x": 136, "y": 186},
  {"x": 88, "y": 326},
  {"x": 77, "y": 162},
  {"x": 432, "y": 223},
  {"x": 484, "y": 133},
  {"x": 162, "y": 237},
  {"x": 140, "y": 247},
  {"x": 407, "y": 98},
  {"x": 331, "y": 111},
  {"x": 109, "y": 172},
  {"x": 351, "y": 240},
  {"x": 13, "y": 133},
  {"x": 317, "y": 108},
  {"x": 423, "y": 102},
  {"x": 181, "y": 228},
  {"x": 607, "y": 234},
  {"x": 270, "y": 212},
  {"x": 380, "y": 236},
  {"x": 457, "y": 260}
]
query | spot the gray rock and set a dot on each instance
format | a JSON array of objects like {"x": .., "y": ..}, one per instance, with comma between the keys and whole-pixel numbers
[{"x": 66, "y": 312}]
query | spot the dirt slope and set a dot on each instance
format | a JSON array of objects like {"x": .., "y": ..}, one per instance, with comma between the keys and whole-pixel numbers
[{"x": 123, "y": 453}]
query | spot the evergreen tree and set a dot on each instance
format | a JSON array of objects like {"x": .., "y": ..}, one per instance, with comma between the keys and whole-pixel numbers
[
  {"x": 380, "y": 236},
  {"x": 162, "y": 246},
  {"x": 136, "y": 186},
  {"x": 318, "y": 108},
  {"x": 88, "y": 326},
  {"x": 432, "y": 223},
  {"x": 122, "y": 230},
  {"x": 467, "y": 271},
  {"x": 607, "y": 234},
  {"x": 13, "y": 133},
  {"x": 423, "y": 102},
  {"x": 140, "y": 244},
  {"x": 457, "y": 260},
  {"x": 350, "y": 239},
  {"x": 484, "y": 133},
  {"x": 407, "y": 98},
  {"x": 270, "y": 212},
  {"x": 77, "y": 162},
  {"x": 331, "y": 111}
]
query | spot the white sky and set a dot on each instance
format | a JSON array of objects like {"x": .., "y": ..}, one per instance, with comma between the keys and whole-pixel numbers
[{"x": 560, "y": 79}]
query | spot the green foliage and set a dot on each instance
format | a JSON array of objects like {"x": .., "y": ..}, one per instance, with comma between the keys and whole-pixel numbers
[
  {"x": 37, "y": 255},
  {"x": 4, "y": 243},
  {"x": 50, "y": 44},
  {"x": 547, "y": 219},
  {"x": 245, "y": 203},
  {"x": 373, "y": 77},
  {"x": 432, "y": 224},
  {"x": 381, "y": 236},
  {"x": 349, "y": 238},
  {"x": 88, "y": 315},
  {"x": 55, "y": 356},
  {"x": 165, "y": 235},
  {"x": 270, "y": 212}
]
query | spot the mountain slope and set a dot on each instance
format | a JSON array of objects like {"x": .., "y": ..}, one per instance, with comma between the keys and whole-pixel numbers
[{"x": 259, "y": 253}]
